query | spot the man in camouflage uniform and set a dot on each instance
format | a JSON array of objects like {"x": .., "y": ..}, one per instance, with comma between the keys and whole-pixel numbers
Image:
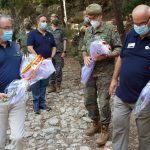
[
  {"x": 58, "y": 60},
  {"x": 99, "y": 81},
  {"x": 22, "y": 36}
]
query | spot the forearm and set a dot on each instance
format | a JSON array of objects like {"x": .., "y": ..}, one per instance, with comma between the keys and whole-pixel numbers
[
  {"x": 31, "y": 50},
  {"x": 117, "y": 69},
  {"x": 65, "y": 45},
  {"x": 113, "y": 55},
  {"x": 53, "y": 52}
]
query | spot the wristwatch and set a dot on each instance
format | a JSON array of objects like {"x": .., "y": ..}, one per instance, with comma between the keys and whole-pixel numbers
[{"x": 64, "y": 51}]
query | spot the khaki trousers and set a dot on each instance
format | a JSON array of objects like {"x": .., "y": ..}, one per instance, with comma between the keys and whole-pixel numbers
[
  {"x": 121, "y": 125},
  {"x": 14, "y": 115}
]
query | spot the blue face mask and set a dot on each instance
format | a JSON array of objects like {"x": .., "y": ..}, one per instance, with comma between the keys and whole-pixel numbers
[
  {"x": 141, "y": 30},
  {"x": 7, "y": 36},
  {"x": 43, "y": 25},
  {"x": 95, "y": 24},
  {"x": 86, "y": 20}
]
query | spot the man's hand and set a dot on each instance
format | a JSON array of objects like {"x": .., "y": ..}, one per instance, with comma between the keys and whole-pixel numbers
[
  {"x": 87, "y": 60},
  {"x": 99, "y": 57},
  {"x": 2, "y": 96},
  {"x": 63, "y": 55},
  {"x": 113, "y": 86}
]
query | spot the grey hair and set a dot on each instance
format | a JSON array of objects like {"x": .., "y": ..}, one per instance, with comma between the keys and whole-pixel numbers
[{"x": 5, "y": 17}]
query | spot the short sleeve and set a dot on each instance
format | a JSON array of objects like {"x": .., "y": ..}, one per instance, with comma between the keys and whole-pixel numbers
[
  {"x": 30, "y": 39},
  {"x": 53, "y": 41}
]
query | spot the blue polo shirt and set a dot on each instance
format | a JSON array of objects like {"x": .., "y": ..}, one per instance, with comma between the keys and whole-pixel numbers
[
  {"x": 10, "y": 60},
  {"x": 42, "y": 44},
  {"x": 135, "y": 68}
]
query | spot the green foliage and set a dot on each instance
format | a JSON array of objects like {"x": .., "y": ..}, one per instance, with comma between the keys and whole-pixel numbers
[
  {"x": 47, "y": 2},
  {"x": 6, "y": 4},
  {"x": 128, "y": 7}
]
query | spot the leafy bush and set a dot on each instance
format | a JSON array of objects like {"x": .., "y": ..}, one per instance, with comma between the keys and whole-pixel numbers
[{"x": 128, "y": 7}]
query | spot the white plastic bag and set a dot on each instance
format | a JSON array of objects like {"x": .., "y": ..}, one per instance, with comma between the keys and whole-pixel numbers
[
  {"x": 45, "y": 69},
  {"x": 96, "y": 47},
  {"x": 143, "y": 100},
  {"x": 17, "y": 89}
]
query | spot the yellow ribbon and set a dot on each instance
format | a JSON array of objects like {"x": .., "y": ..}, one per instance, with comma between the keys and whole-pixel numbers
[{"x": 34, "y": 65}]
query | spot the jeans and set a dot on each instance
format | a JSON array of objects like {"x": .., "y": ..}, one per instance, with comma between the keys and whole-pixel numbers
[{"x": 38, "y": 91}]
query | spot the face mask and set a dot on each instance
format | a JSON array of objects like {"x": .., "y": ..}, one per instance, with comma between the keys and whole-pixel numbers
[
  {"x": 95, "y": 24},
  {"x": 43, "y": 25},
  {"x": 86, "y": 20},
  {"x": 7, "y": 36},
  {"x": 141, "y": 30}
]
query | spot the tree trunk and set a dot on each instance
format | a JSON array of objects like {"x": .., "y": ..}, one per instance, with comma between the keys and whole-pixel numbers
[{"x": 117, "y": 5}]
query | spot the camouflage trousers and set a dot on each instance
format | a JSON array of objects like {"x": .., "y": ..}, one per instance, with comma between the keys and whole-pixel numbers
[
  {"x": 97, "y": 99},
  {"x": 58, "y": 62}
]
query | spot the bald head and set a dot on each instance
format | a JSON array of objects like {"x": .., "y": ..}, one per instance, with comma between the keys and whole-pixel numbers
[{"x": 141, "y": 14}]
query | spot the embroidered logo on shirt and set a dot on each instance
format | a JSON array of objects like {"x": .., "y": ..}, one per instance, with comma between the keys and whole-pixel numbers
[
  {"x": 147, "y": 47},
  {"x": 131, "y": 45}
]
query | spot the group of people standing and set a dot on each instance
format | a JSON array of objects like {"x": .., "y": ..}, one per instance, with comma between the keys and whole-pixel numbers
[
  {"x": 49, "y": 42},
  {"x": 124, "y": 83}
]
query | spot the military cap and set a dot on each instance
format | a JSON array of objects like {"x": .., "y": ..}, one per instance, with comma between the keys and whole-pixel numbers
[{"x": 93, "y": 9}]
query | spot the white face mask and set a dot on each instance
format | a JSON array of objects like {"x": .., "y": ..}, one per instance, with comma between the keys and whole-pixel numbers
[{"x": 95, "y": 23}]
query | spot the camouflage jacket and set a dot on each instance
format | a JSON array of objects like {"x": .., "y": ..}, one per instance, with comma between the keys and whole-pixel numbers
[
  {"x": 108, "y": 33},
  {"x": 22, "y": 40},
  {"x": 59, "y": 36}
]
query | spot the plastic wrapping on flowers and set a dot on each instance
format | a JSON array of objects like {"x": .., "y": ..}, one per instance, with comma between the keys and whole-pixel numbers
[
  {"x": 33, "y": 69},
  {"x": 96, "y": 47},
  {"x": 143, "y": 100}
]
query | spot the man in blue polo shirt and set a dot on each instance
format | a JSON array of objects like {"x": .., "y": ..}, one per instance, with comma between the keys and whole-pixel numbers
[
  {"x": 133, "y": 67},
  {"x": 41, "y": 42},
  {"x": 12, "y": 114}
]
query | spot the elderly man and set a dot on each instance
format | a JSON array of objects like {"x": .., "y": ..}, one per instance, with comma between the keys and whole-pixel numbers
[
  {"x": 99, "y": 81},
  {"x": 12, "y": 114},
  {"x": 41, "y": 42},
  {"x": 133, "y": 68}
]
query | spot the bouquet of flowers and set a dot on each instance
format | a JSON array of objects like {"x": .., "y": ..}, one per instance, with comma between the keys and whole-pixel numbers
[
  {"x": 96, "y": 47},
  {"x": 33, "y": 69},
  {"x": 143, "y": 100}
]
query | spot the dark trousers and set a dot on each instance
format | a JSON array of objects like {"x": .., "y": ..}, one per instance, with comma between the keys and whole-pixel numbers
[{"x": 58, "y": 63}]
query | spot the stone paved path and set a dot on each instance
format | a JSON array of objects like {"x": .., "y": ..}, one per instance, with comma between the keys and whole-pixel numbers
[{"x": 63, "y": 127}]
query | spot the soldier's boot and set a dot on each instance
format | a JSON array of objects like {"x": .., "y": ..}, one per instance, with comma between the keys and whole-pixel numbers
[
  {"x": 95, "y": 128},
  {"x": 104, "y": 135},
  {"x": 58, "y": 87},
  {"x": 52, "y": 88}
]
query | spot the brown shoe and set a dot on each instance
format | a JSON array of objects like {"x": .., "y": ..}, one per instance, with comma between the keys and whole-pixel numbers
[
  {"x": 52, "y": 88},
  {"x": 94, "y": 129},
  {"x": 104, "y": 136}
]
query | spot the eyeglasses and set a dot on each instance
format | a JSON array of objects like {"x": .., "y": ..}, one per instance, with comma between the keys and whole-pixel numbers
[
  {"x": 143, "y": 23},
  {"x": 6, "y": 28}
]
